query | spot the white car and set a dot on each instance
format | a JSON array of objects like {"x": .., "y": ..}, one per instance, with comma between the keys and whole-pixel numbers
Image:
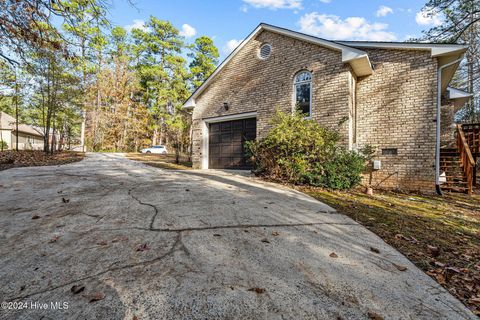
[{"x": 155, "y": 149}]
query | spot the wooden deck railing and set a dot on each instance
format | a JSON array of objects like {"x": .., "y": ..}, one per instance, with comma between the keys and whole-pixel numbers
[
  {"x": 472, "y": 134},
  {"x": 466, "y": 158}
]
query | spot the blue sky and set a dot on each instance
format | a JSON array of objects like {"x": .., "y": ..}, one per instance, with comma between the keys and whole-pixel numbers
[{"x": 230, "y": 21}]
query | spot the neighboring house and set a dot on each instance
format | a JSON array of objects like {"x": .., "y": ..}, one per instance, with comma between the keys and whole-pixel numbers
[
  {"x": 382, "y": 94},
  {"x": 29, "y": 138}
]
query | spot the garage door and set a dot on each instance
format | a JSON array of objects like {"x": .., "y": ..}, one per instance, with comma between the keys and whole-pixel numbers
[{"x": 226, "y": 143}]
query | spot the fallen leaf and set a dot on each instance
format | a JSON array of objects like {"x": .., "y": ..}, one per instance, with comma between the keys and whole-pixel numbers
[
  {"x": 433, "y": 251},
  {"x": 102, "y": 243},
  {"x": 54, "y": 239},
  {"x": 65, "y": 200},
  {"x": 440, "y": 278},
  {"x": 373, "y": 249},
  {"x": 333, "y": 255},
  {"x": 76, "y": 289},
  {"x": 97, "y": 296},
  {"x": 120, "y": 238},
  {"x": 217, "y": 235},
  {"x": 265, "y": 240},
  {"x": 474, "y": 300},
  {"x": 143, "y": 247},
  {"x": 257, "y": 290},
  {"x": 374, "y": 316},
  {"x": 399, "y": 267},
  {"x": 275, "y": 233},
  {"x": 452, "y": 269},
  {"x": 34, "y": 217}
]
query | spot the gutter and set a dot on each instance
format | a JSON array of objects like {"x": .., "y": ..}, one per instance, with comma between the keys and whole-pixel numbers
[{"x": 439, "y": 107}]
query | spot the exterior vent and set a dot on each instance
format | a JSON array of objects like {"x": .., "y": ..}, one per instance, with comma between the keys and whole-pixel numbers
[
  {"x": 265, "y": 51},
  {"x": 390, "y": 152}
]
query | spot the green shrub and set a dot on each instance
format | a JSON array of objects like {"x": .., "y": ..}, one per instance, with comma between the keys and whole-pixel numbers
[
  {"x": 343, "y": 170},
  {"x": 300, "y": 151},
  {"x": 3, "y": 145}
]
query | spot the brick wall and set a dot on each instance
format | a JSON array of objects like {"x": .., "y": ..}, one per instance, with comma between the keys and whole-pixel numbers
[
  {"x": 447, "y": 121},
  {"x": 396, "y": 109},
  {"x": 392, "y": 108},
  {"x": 250, "y": 84}
]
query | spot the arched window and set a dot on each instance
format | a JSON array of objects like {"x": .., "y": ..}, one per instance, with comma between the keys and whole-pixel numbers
[{"x": 303, "y": 93}]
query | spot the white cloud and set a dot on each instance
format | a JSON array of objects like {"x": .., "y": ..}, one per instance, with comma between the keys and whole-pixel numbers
[
  {"x": 428, "y": 17},
  {"x": 275, "y": 4},
  {"x": 351, "y": 28},
  {"x": 383, "y": 11},
  {"x": 188, "y": 31},
  {"x": 137, "y": 24},
  {"x": 230, "y": 46}
]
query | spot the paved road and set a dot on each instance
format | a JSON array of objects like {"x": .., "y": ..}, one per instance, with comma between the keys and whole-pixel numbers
[{"x": 156, "y": 244}]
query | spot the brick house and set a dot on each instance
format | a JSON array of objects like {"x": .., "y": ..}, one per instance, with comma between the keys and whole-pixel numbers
[{"x": 379, "y": 93}]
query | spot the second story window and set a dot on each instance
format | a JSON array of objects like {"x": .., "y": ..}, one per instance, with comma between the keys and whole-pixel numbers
[{"x": 303, "y": 93}]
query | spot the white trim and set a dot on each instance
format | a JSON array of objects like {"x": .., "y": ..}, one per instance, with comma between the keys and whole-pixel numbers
[
  {"x": 259, "y": 53},
  {"x": 205, "y": 131},
  {"x": 457, "y": 93},
  {"x": 237, "y": 116},
  {"x": 437, "y": 49},
  {"x": 459, "y": 97},
  {"x": 295, "y": 84},
  {"x": 204, "y": 147},
  {"x": 358, "y": 59}
]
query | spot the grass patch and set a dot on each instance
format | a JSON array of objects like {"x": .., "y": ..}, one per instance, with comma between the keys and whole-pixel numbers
[
  {"x": 32, "y": 158},
  {"x": 164, "y": 161},
  {"x": 441, "y": 235}
]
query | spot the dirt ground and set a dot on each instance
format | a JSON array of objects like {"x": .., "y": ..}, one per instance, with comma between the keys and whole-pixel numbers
[
  {"x": 28, "y": 158},
  {"x": 441, "y": 235}
]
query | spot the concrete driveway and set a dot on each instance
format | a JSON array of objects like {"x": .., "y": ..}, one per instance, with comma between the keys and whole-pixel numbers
[{"x": 109, "y": 238}]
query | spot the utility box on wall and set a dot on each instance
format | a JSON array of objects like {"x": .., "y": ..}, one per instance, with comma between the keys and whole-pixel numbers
[{"x": 377, "y": 164}]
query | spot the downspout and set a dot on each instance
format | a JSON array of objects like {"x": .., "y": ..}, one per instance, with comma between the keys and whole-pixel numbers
[{"x": 439, "y": 108}]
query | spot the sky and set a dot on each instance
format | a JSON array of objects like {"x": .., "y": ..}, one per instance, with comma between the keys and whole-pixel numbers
[{"x": 230, "y": 21}]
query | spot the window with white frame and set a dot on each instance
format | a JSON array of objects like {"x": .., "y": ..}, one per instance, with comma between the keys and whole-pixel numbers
[{"x": 303, "y": 93}]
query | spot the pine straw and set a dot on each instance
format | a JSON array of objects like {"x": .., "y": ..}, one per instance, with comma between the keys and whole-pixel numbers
[
  {"x": 164, "y": 161},
  {"x": 26, "y": 158},
  {"x": 441, "y": 235}
]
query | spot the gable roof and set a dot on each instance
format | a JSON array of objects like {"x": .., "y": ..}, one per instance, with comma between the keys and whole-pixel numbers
[
  {"x": 7, "y": 122},
  {"x": 444, "y": 52},
  {"x": 437, "y": 49},
  {"x": 352, "y": 53},
  {"x": 358, "y": 59}
]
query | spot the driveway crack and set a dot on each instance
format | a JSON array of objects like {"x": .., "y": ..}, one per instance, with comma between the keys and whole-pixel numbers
[{"x": 154, "y": 216}]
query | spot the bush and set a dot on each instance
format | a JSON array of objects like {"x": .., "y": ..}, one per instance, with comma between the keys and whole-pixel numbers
[
  {"x": 300, "y": 151},
  {"x": 3, "y": 145}
]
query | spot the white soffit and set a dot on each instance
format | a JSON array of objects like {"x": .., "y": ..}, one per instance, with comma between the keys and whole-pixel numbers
[
  {"x": 459, "y": 97},
  {"x": 436, "y": 49},
  {"x": 445, "y": 53},
  {"x": 357, "y": 59}
]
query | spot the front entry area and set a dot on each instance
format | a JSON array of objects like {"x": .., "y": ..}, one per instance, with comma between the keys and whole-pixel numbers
[{"x": 226, "y": 143}]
